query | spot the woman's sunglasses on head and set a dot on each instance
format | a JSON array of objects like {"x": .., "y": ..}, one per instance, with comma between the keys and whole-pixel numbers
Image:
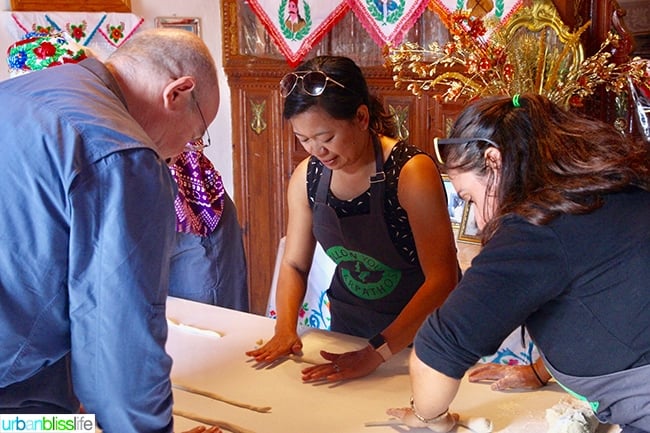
[
  {"x": 313, "y": 83},
  {"x": 437, "y": 142}
]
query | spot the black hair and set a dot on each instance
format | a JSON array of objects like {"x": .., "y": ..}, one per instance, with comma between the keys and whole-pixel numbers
[{"x": 340, "y": 103}]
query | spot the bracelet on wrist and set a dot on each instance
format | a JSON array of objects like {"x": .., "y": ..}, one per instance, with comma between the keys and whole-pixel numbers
[
  {"x": 539, "y": 379},
  {"x": 427, "y": 420}
]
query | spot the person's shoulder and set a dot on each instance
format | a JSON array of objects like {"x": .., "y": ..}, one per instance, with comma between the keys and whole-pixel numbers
[
  {"x": 515, "y": 229},
  {"x": 403, "y": 151},
  {"x": 305, "y": 166},
  {"x": 304, "y": 171}
]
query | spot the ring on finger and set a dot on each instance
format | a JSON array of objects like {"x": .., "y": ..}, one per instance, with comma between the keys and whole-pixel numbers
[{"x": 336, "y": 367}]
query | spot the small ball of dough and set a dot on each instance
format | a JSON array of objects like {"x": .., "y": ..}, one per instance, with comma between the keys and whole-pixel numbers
[{"x": 479, "y": 425}]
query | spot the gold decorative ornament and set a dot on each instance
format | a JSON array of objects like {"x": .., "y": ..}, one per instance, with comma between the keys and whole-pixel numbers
[
  {"x": 401, "y": 115},
  {"x": 258, "y": 124},
  {"x": 533, "y": 52}
]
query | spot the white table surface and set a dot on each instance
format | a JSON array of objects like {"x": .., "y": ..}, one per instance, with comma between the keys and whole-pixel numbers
[{"x": 219, "y": 365}]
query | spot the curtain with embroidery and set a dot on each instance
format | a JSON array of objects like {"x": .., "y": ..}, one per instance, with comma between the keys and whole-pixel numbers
[
  {"x": 387, "y": 21},
  {"x": 297, "y": 25},
  {"x": 494, "y": 13},
  {"x": 101, "y": 32}
]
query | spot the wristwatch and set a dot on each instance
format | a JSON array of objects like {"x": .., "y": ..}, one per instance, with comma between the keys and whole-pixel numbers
[{"x": 378, "y": 342}]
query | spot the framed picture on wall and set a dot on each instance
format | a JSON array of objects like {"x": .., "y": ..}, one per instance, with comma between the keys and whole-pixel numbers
[
  {"x": 468, "y": 231},
  {"x": 191, "y": 24},
  {"x": 72, "y": 5},
  {"x": 455, "y": 205}
]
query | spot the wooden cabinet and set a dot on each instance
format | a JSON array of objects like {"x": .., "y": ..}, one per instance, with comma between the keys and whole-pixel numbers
[{"x": 266, "y": 152}]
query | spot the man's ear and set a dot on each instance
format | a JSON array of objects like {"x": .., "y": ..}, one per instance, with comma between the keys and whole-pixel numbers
[{"x": 176, "y": 92}]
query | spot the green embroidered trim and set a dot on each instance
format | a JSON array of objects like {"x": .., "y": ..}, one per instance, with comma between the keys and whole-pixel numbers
[
  {"x": 498, "y": 9},
  {"x": 392, "y": 17}
]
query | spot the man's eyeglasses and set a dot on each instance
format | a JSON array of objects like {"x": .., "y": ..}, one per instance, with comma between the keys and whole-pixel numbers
[
  {"x": 203, "y": 142},
  {"x": 313, "y": 83},
  {"x": 437, "y": 142}
]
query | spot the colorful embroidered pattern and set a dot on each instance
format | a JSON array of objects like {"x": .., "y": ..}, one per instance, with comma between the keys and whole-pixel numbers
[
  {"x": 77, "y": 31},
  {"x": 115, "y": 33},
  {"x": 38, "y": 51},
  {"x": 318, "y": 316},
  {"x": 296, "y": 26},
  {"x": 387, "y": 21},
  {"x": 115, "y": 28},
  {"x": 386, "y": 11},
  {"x": 199, "y": 203},
  {"x": 516, "y": 349}
]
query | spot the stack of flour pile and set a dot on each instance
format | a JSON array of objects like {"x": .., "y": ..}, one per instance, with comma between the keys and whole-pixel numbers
[{"x": 571, "y": 415}]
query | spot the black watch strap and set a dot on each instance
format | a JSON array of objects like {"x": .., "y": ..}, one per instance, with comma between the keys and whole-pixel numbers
[{"x": 378, "y": 342}]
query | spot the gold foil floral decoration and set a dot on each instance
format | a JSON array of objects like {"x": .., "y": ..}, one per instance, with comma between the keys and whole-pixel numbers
[
  {"x": 472, "y": 64},
  {"x": 599, "y": 70}
]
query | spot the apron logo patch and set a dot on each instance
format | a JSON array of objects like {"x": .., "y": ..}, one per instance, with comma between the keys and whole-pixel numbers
[{"x": 363, "y": 275}]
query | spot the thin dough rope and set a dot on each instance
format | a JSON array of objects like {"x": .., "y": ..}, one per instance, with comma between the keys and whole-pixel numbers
[
  {"x": 186, "y": 388},
  {"x": 209, "y": 421},
  {"x": 473, "y": 424}
]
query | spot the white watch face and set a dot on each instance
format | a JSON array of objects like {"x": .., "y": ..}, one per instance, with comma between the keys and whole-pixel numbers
[{"x": 384, "y": 351}]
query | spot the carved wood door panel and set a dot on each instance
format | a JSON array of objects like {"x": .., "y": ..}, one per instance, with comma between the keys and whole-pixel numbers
[{"x": 261, "y": 175}]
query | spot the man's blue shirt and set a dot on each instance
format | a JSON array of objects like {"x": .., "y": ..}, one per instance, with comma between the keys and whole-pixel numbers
[{"x": 86, "y": 230}]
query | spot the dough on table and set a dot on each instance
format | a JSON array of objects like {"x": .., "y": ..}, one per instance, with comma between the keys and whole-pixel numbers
[{"x": 571, "y": 415}]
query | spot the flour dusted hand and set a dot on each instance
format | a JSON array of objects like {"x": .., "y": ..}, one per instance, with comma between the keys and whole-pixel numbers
[{"x": 505, "y": 377}]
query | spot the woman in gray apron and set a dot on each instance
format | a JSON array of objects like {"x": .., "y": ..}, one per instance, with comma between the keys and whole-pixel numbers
[
  {"x": 378, "y": 208},
  {"x": 564, "y": 208}
]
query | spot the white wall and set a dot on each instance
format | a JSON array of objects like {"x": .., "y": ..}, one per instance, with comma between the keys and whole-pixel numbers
[{"x": 209, "y": 13}]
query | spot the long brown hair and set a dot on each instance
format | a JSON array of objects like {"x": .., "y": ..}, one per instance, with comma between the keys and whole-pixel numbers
[{"x": 553, "y": 161}]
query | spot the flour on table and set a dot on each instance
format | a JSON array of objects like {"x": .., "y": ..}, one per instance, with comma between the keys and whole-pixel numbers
[{"x": 571, "y": 415}]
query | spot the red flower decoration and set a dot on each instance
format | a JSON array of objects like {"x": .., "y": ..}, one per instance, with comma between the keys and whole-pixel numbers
[
  {"x": 116, "y": 33},
  {"x": 45, "y": 50},
  {"x": 77, "y": 32},
  {"x": 43, "y": 29}
]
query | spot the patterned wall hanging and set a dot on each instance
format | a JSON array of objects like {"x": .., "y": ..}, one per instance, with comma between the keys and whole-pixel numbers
[
  {"x": 84, "y": 27},
  {"x": 387, "y": 21},
  {"x": 297, "y": 25},
  {"x": 493, "y": 13}
]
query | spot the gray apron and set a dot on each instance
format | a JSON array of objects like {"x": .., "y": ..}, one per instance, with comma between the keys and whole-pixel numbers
[
  {"x": 372, "y": 282},
  {"x": 621, "y": 398}
]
